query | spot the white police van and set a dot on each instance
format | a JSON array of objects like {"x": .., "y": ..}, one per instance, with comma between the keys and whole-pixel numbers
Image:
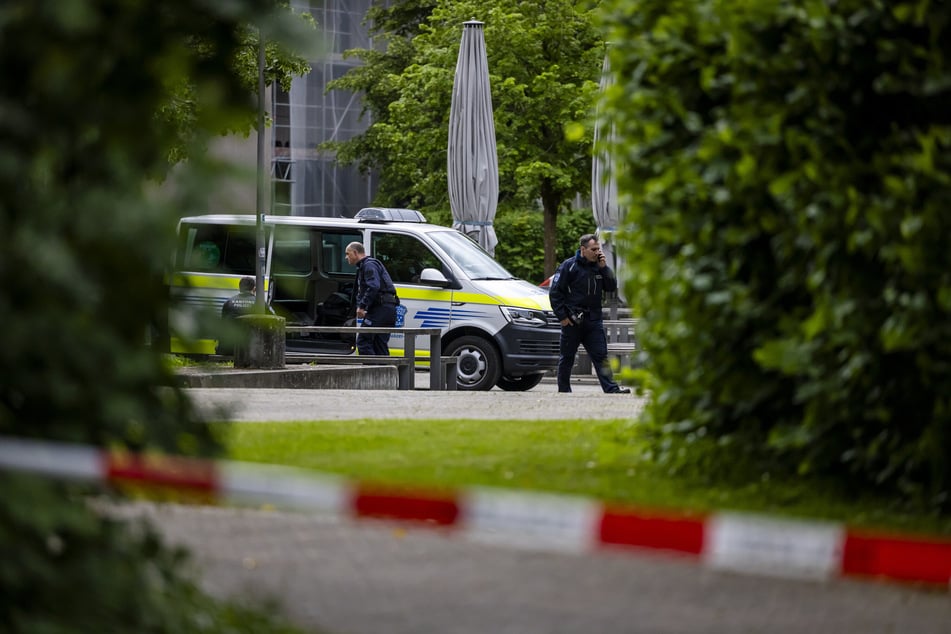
[{"x": 502, "y": 329}]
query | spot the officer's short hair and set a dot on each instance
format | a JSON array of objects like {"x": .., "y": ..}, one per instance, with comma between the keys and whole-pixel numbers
[
  {"x": 246, "y": 285},
  {"x": 356, "y": 247},
  {"x": 586, "y": 238}
]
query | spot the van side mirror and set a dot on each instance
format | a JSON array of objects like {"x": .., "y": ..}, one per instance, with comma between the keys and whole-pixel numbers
[{"x": 433, "y": 277}]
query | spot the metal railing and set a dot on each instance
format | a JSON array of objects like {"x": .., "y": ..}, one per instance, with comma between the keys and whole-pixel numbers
[{"x": 437, "y": 378}]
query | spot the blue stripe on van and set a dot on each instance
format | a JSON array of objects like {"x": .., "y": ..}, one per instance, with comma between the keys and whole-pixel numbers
[{"x": 433, "y": 317}]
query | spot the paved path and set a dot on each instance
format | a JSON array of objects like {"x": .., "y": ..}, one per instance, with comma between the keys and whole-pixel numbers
[
  {"x": 337, "y": 576},
  {"x": 541, "y": 403},
  {"x": 369, "y": 578}
]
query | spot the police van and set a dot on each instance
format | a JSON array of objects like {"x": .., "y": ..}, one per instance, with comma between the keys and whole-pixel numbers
[{"x": 501, "y": 328}]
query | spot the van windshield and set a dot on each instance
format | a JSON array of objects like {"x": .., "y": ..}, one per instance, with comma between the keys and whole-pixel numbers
[{"x": 471, "y": 258}]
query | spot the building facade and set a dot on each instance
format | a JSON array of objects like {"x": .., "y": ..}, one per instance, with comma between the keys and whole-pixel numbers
[{"x": 306, "y": 181}]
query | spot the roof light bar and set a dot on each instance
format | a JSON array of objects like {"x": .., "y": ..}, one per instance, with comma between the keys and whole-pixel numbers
[{"x": 389, "y": 214}]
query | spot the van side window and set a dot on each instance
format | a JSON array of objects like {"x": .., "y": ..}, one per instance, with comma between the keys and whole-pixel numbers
[
  {"x": 404, "y": 256},
  {"x": 291, "y": 251},
  {"x": 239, "y": 253},
  {"x": 334, "y": 253},
  {"x": 217, "y": 249}
]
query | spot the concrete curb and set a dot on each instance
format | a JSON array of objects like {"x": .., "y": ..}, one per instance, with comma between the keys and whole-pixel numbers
[{"x": 322, "y": 377}]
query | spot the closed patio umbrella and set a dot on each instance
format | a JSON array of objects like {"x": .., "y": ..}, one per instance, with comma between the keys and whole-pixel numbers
[
  {"x": 604, "y": 200},
  {"x": 473, "y": 164}
]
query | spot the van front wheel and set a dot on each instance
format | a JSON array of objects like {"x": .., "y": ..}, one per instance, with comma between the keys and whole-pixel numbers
[{"x": 477, "y": 363}]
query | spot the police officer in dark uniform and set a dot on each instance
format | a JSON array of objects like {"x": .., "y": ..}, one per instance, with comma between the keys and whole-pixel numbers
[
  {"x": 237, "y": 305},
  {"x": 575, "y": 293},
  {"x": 375, "y": 298},
  {"x": 243, "y": 302}
]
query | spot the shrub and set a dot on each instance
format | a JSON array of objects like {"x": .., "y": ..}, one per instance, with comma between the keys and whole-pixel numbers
[
  {"x": 787, "y": 172},
  {"x": 88, "y": 118},
  {"x": 521, "y": 246}
]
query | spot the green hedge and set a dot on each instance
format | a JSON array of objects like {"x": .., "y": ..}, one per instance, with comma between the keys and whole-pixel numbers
[
  {"x": 88, "y": 117},
  {"x": 788, "y": 178}
]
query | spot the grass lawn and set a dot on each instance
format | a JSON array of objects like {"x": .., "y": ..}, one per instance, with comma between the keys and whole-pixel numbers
[{"x": 599, "y": 459}]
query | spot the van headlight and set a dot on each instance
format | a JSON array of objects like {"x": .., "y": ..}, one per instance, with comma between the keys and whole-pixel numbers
[{"x": 524, "y": 316}]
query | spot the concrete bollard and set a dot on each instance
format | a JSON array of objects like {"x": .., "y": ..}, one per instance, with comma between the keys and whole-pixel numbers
[{"x": 265, "y": 344}]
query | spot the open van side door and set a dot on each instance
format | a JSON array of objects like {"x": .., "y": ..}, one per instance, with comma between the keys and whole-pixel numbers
[
  {"x": 423, "y": 303},
  {"x": 211, "y": 257},
  {"x": 313, "y": 284}
]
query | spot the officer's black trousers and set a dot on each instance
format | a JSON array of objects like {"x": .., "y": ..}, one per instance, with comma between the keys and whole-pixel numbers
[
  {"x": 590, "y": 334},
  {"x": 380, "y": 315}
]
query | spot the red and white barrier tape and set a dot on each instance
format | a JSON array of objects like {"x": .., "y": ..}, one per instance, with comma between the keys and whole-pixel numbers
[{"x": 731, "y": 541}]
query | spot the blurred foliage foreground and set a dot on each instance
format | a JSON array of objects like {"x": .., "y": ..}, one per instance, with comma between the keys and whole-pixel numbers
[
  {"x": 95, "y": 97},
  {"x": 788, "y": 178}
]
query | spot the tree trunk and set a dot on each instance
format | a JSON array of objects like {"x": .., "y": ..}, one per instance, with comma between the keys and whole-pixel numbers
[{"x": 550, "y": 204}]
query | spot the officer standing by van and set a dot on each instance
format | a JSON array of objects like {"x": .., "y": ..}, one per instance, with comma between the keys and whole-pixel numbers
[
  {"x": 375, "y": 298},
  {"x": 576, "y": 292},
  {"x": 244, "y": 303}
]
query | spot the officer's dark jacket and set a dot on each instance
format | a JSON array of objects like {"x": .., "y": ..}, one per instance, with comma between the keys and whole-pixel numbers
[
  {"x": 238, "y": 305},
  {"x": 374, "y": 285},
  {"x": 580, "y": 285}
]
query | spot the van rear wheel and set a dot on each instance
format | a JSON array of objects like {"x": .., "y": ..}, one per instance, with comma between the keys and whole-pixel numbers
[
  {"x": 520, "y": 383},
  {"x": 477, "y": 364}
]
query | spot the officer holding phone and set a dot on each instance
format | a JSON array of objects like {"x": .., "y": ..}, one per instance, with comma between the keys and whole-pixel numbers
[{"x": 576, "y": 292}]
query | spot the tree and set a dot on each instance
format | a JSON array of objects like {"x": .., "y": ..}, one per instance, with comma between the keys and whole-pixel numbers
[
  {"x": 281, "y": 65},
  {"x": 544, "y": 60},
  {"x": 788, "y": 172},
  {"x": 84, "y": 251}
]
